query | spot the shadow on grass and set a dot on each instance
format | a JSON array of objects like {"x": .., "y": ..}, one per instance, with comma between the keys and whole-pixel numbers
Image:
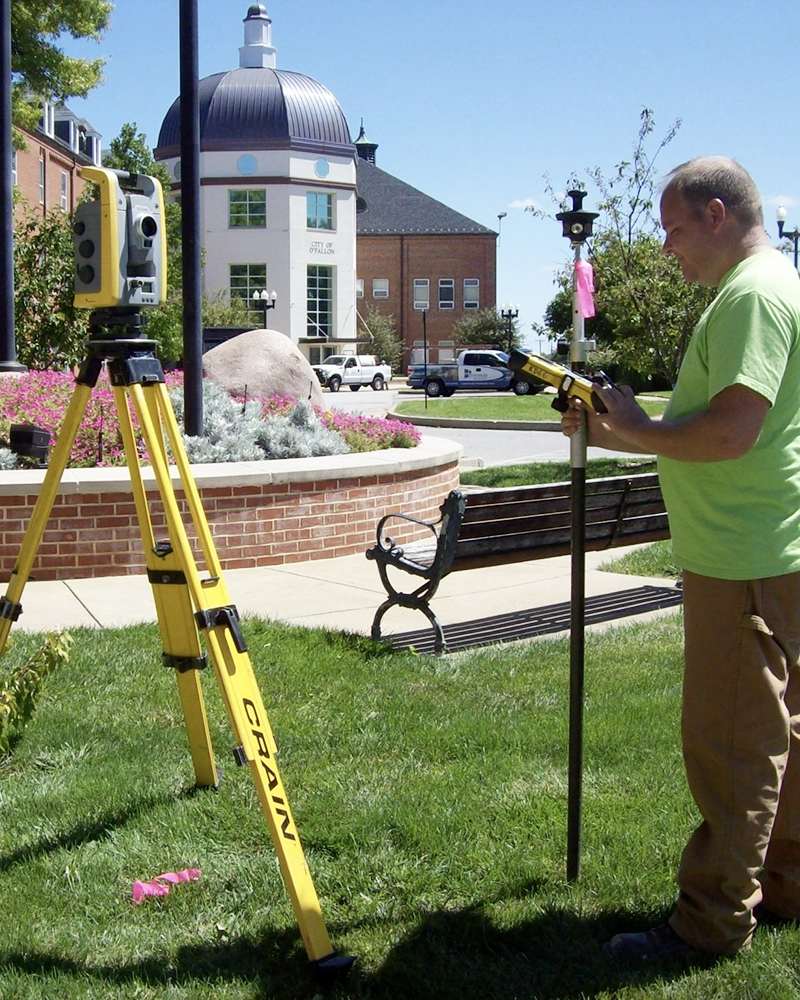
[
  {"x": 88, "y": 830},
  {"x": 556, "y": 956},
  {"x": 275, "y": 965},
  {"x": 456, "y": 955}
]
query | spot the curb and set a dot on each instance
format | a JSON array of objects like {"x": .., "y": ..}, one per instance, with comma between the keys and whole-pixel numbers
[{"x": 490, "y": 425}]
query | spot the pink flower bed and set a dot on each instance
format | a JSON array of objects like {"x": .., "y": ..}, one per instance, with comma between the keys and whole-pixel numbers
[{"x": 41, "y": 398}]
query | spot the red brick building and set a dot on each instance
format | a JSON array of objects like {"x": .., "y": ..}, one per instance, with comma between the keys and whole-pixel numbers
[
  {"x": 418, "y": 258},
  {"x": 47, "y": 172}
]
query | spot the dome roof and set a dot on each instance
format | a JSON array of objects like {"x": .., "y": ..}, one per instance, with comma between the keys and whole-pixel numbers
[{"x": 261, "y": 108}]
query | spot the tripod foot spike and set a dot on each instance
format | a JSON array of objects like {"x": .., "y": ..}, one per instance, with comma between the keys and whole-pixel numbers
[{"x": 333, "y": 969}]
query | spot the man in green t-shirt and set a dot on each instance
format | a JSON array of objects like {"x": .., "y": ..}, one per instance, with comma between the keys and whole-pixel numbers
[{"x": 728, "y": 452}]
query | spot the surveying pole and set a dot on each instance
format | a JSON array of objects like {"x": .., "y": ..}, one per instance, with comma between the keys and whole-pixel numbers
[{"x": 577, "y": 227}]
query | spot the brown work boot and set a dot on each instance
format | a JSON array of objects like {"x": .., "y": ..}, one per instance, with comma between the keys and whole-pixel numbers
[{"x": 661, "y": 944}]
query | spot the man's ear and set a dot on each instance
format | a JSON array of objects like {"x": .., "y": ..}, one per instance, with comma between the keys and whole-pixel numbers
[{"x": 716, "y": 212}]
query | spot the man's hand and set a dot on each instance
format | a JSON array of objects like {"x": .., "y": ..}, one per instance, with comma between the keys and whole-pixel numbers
[
  {"x": 726, "y": 430},
  {"x": 624, "y": 418},
  {"x": 601, "y": 432}
]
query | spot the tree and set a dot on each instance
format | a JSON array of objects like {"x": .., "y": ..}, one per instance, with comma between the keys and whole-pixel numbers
[
  {"x": 486, "y": 327},
  {"x": 50, "y": 332},
  {"x": 40, "y": 70},
  {"x": 648, "y": 311},
  {"x": 380, "y": 336}
]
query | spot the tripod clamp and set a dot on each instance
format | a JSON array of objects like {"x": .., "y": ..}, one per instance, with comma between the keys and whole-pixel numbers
[
  {"x": 227, "y": 617},
  {"x": 9, "y": 610}
]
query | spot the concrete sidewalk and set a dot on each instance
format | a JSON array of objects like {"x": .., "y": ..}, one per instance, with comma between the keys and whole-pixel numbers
[{"x": 341, "y": 594}]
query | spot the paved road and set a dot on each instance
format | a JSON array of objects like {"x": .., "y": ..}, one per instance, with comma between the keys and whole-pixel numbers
[
  {"x": 491, "y": 447},
  {"x": 495, "y": 447}
]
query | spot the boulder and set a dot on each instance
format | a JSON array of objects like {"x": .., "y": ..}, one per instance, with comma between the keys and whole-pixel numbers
[{"x": 262, "y": 363}]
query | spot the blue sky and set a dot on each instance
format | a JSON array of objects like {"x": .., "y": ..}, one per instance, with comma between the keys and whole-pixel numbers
[{"x": 475, "y": 102}]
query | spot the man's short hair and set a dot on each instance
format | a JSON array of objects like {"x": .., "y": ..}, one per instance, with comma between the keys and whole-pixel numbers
[{"x": 707, "y": 177}]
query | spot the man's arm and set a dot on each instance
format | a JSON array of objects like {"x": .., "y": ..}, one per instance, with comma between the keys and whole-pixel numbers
[{"x": 727, "y": 429}]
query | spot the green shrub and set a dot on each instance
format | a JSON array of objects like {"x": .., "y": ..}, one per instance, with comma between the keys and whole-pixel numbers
[{"x": 20, "y": 688}]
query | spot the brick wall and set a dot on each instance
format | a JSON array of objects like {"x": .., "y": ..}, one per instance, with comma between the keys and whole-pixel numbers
[
  {"x": 256, "y": 523},
  {"x": 57, "y": 160}
]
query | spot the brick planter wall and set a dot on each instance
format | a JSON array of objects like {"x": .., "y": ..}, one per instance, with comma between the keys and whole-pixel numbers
[{"x": 259, "y": 514}]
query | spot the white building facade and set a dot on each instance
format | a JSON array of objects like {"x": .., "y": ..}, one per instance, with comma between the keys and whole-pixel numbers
[{"x": 278, "y": 194}]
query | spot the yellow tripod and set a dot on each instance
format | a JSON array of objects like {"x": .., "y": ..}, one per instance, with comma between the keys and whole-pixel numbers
[{"x": 186, "y": 605}]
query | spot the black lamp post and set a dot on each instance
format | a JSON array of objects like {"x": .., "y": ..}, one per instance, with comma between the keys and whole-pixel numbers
[
  {"x": 793, "y": 235},
  {"x": 508, "y": 315},
  {"x": 8, "y": 349},
  {"x": 191, "y": 269},
  {"x": 576, "y": 226},
  {"x": 264, "y": 300}
]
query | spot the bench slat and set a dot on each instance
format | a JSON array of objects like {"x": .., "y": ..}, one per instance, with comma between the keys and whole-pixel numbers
[{"x": 529, "y": 523}]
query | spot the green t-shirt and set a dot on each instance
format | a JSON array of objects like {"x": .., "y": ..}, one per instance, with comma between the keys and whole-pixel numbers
[{"x": 740, "y": 519}]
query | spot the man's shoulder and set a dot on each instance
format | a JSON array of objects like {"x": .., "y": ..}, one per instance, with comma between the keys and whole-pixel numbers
[
  {"x": 768, "y": 276},
  {"x": 768, "y": 265}
]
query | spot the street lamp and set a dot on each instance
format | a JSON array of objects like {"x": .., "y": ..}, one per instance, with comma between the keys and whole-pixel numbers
[
  {"x": 508, "y": 315},
  {"x": 264, "y": 300},
  {"x": 500, "y": 217},
  {"x": 794, "y": 235}
]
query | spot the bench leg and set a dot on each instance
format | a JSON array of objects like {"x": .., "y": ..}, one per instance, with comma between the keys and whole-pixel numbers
[{"x": 439, "y": 646}]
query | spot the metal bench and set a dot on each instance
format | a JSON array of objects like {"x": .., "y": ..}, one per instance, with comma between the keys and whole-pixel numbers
[{"x": 493, "y": 527}]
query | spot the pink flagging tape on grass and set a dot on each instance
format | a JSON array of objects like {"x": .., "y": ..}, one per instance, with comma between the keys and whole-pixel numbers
[{"x": 160, "y": 885}]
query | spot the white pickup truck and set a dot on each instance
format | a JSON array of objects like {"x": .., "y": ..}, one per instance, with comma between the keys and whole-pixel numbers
[{"x": 354, "y": 370}]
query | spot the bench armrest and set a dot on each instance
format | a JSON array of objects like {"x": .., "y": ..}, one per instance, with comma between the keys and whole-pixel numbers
[
  {"x": 442, "y": 546},
  {"x": 386, "y": 550}
]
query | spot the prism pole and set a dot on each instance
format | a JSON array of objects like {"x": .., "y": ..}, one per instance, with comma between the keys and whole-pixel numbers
[
  {"x": 577, "y": 461},
  {"x": 577, "y": 227}
]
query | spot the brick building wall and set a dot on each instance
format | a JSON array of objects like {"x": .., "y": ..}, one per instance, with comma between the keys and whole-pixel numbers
[
  {"x": 60, "y": 167},
  {"x": 402, "y": 258}
]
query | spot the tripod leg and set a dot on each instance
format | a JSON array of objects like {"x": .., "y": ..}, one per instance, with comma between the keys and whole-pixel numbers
[
  {"x": 179, "y": 636},
  {"x": 10, "y": 607},
  {"x": 219, "y": 623}
]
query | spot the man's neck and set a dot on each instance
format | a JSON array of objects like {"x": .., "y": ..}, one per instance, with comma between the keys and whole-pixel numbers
[{"x": 748, "y": 244}]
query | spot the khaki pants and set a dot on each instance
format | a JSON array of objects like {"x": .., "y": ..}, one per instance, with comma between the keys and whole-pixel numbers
[{"x": 741, "y": 744}]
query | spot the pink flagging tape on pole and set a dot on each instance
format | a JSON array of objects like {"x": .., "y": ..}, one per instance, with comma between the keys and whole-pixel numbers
[
  {"x": 160, "y": 885},
  {"x": 584, "y": 286}
]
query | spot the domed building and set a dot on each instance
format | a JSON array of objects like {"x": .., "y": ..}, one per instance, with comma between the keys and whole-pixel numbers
[{"x": 278, "y": 192}]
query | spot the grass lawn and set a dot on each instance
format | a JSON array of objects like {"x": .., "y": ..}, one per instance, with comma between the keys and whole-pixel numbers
[
  {"x": 430, "y": 794},
  {"x": 502, "y": 406}
]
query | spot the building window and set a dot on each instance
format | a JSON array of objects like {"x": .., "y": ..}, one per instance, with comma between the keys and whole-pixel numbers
[
  {"x": 472, "y": 293},
  {"x": 48, "y": 122},
  {"x": 422, "y": 293},
  {"x": 319, "y": 210},
  {"x": 359, "y": 288},
  {"x": 64, "y": 190},
  {"x": 41, "y": 180},
  {"x": 447, "y": 293},
  {"x": 380, "y": 288},
  {"x": 247, "y": 209},
  {"x": 319, "y": 284},
  {"x": 246, "y": 279}
]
